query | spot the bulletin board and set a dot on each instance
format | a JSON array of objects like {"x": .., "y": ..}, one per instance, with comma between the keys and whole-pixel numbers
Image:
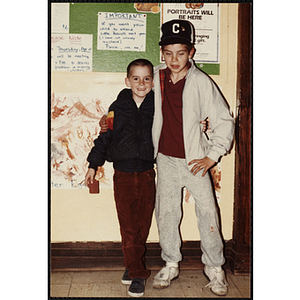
[{"x": 84, "y": 19}]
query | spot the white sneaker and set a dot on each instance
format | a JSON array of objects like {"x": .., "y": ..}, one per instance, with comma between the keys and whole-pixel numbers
[
  {"x": 165, "y": 275},
  {"x": 218, "y": 283}
]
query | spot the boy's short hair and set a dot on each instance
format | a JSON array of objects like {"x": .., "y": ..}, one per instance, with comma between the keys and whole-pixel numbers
[
  {"x": 139, "y": 62},
  {"x": 177, "y": 32}
]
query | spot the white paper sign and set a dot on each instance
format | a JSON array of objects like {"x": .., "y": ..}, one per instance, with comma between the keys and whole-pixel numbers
[
  {"x": 60, "y": 17},
  {"x": 71, "y": 52},
  {"x": 121, "y": 31},
  {"x": 205, "y": 18}
]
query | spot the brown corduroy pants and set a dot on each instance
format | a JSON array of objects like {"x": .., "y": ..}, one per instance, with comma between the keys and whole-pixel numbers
[{"x": 135, "y": 200}]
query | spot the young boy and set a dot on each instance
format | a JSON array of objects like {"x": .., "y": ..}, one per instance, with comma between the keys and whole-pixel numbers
[
  {"x": 128, "y": 143},
  {"x": 183, "y": 96}
]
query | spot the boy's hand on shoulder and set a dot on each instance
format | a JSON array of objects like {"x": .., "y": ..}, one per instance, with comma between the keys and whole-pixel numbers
[
  {"x": 103, "y": 124},
  {"x": 205, "y": 124},
  {"x": 205, "y": 163},
  {"x": 89, "y": 177}
]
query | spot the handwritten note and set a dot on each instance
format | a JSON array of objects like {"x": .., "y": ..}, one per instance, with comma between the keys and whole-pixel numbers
[
  {"x": 121, "y": 31},
  {"x": 71, "y": 52}
]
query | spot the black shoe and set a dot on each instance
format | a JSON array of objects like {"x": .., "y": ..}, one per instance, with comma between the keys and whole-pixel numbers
[
  {"x": 137, "y": 287},
  {"x": 126, "y": 279}
]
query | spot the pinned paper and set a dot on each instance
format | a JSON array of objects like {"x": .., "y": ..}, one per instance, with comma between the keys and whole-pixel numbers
[
  {"x": 60, "y": 17},
  {"x": 71, "y": 52},
  {"x": 121, "y": 31}
]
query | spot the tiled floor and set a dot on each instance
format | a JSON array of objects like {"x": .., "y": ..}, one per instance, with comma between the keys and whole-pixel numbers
[{"x": 191, "y": 283}]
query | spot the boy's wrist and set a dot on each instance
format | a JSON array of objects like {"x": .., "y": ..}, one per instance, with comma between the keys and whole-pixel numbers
[
  {"x": 213, "y": 155},
  {"x": 93, "y": 166}
]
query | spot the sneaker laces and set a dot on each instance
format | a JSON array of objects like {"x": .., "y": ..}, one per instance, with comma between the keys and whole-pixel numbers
[{"x": 219, "y": 280}]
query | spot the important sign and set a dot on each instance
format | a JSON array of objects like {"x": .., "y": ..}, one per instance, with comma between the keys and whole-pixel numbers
[{"x": 121, "y": 31}]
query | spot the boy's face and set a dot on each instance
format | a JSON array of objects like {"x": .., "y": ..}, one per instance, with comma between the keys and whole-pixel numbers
[
  {"x": 176, "y": 57},
  {"x": 140, "y": 81}
]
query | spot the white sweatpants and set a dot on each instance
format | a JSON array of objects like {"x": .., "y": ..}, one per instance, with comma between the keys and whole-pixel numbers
[{"x": 172, "y": 175}]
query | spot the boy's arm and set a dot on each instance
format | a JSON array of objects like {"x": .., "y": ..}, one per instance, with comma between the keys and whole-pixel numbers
[
  {"x": 221, "y": 123},
  {"x": 104, "y": 125},
  {"x": 204, "y": 163},
  {"x": 97, "y": 154}
]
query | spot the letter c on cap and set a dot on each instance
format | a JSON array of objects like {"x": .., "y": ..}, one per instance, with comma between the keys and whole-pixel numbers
[{"x": 175, "y": 25}]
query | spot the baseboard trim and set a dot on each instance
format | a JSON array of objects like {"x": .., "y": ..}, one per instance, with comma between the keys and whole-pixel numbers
[{"x": 93, "y": 256}]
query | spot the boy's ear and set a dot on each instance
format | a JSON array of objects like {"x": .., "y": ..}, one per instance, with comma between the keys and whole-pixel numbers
[
  {"x": 192, "y": 52},
  {"x": 127, "y": 82}
]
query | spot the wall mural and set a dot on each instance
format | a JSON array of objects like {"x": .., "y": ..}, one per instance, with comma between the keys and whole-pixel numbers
[{"x": 74, "y": 127}]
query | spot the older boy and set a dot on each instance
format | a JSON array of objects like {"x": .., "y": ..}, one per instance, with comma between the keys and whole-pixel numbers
[
  {"x": 128, "y": 143},
  {"x": 183, "y": 96}
]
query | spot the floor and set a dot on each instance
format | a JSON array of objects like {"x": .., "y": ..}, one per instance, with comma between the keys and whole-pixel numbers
[{"x": 191, "y": 283}]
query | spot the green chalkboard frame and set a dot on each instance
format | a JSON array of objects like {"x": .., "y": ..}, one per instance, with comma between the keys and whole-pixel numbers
[{"x": 84, "y": 20}]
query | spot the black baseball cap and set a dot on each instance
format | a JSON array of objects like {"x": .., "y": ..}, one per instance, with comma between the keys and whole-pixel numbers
[{"x": 177, "y": 32}]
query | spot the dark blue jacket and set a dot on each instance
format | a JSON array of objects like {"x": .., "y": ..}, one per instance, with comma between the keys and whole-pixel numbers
[{"x": 129, "y": 145}]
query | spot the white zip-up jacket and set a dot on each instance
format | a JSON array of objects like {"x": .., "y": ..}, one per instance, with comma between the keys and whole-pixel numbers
[{"x": 200, "y": 99}]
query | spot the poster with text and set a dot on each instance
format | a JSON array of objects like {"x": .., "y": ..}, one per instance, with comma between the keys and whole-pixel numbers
[{"x": 205, "y": 18}]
